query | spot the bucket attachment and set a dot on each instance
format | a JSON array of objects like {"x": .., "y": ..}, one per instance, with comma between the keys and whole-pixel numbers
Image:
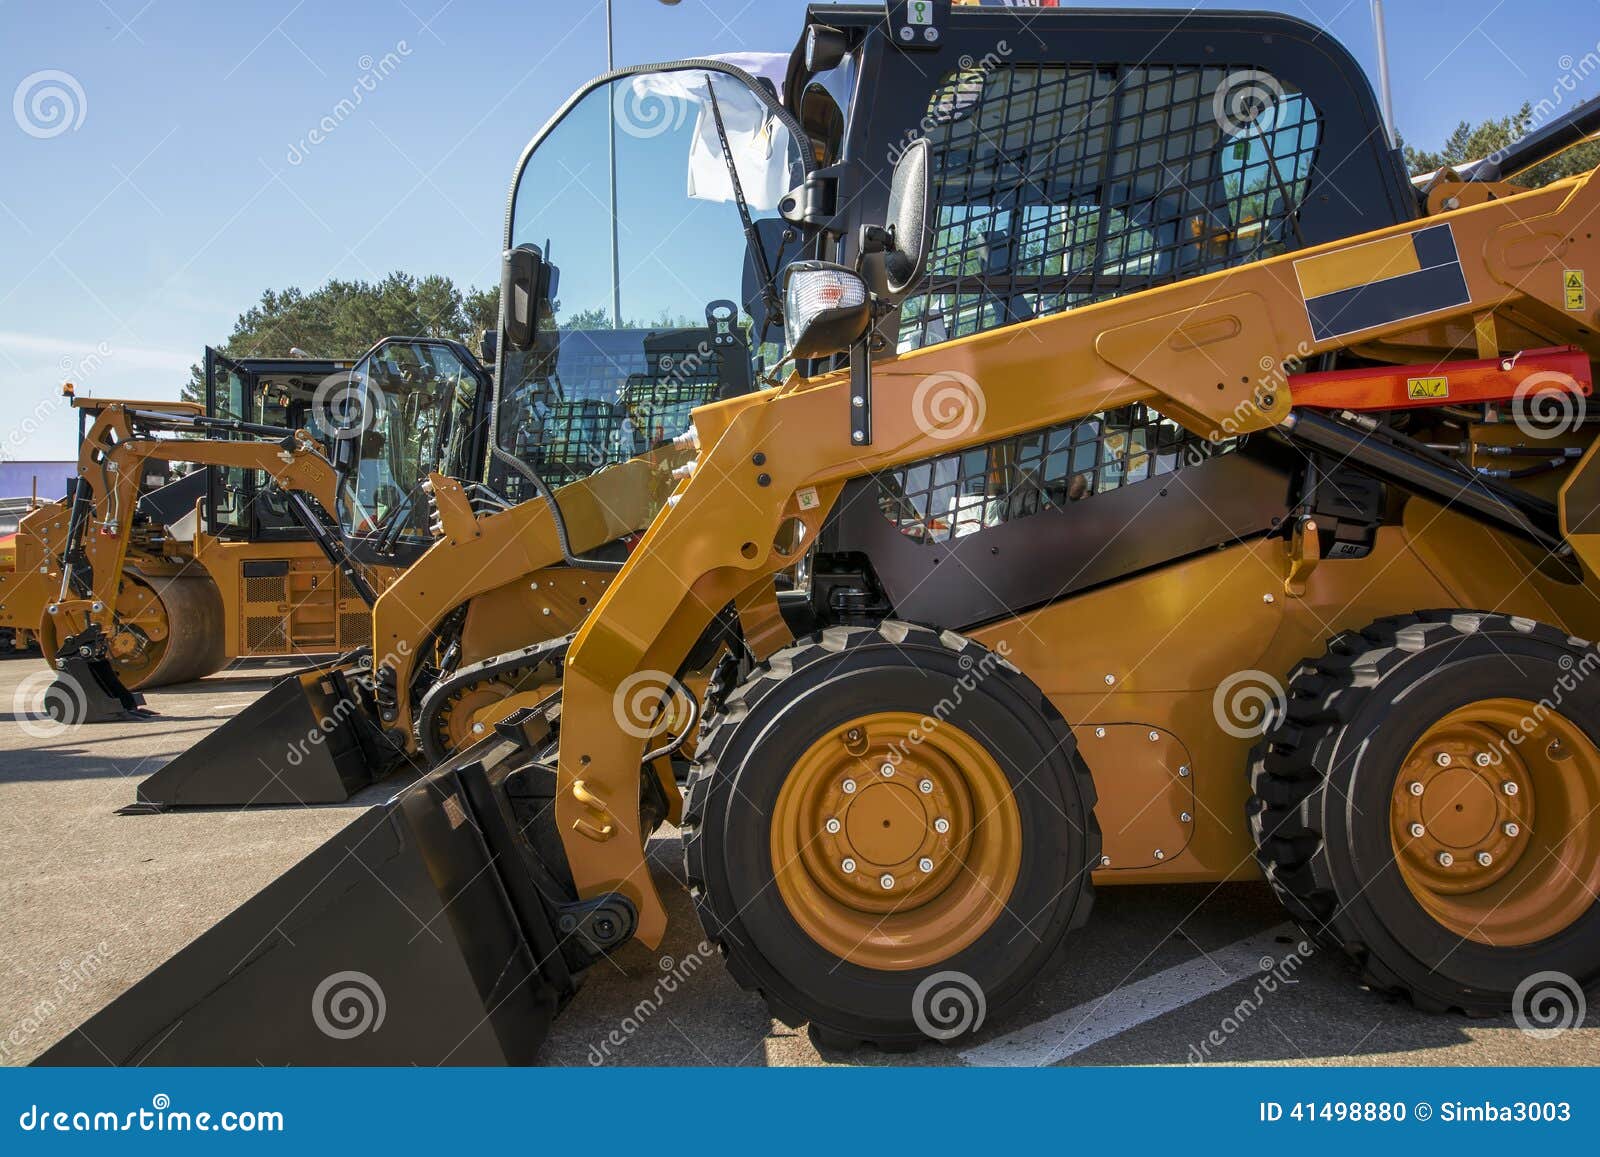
[
  {"x": 308, "y": 740},
  {"x": 89, "y": 691},
  {"x": 417, "y": 935}
]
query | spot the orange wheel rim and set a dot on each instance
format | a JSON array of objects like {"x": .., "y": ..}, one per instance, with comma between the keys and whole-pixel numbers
[
  {"x": 893, "y": 846},
  {"x": 1495, "y": 822}
]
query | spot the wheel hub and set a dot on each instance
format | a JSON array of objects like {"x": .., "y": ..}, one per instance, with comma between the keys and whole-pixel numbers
[
  {"x": 1464, "y": 812},
  {"x": 888, "y": 829},
  {"x": 1493, "y": 821},
  {"x": 894, "y": 854}
]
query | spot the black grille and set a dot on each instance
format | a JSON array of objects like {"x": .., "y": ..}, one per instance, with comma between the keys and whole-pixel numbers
[
  {"x": 1060, "y": 186},
  {"x": 954, "y": 495}
]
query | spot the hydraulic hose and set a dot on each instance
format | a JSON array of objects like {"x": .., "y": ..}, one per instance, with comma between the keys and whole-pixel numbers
[{"x": 545, "y": 493}]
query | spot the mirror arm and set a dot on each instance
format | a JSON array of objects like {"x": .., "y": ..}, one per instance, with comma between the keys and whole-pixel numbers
[{"x": 861, "y": 390}]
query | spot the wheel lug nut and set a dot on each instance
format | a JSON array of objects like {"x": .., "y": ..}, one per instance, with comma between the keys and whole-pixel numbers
[
  {"x": 1418, "y": 831},
  {"x": 1442, "y": 759},
  {"x": 1481, "y": 759},
  {"x": 848, "y": 866},
  {"x": 888, "y": 770},
  {"x": 1485, "y": 859},
  {"x": 1508, "y": 787},
  {"x": 1416, "y": 788},
  {"x": 925, "y": 864},
  {"x": 1512, "y": 830},
  {"x": 833, "y": 827},
  {"x": 925, "y": 787},
  {"x": 941, "y": 825},
  {"x": 1446, "y": 859},
  {"x": 887, "y": 881},
  {"x": 849, "y": 786}
]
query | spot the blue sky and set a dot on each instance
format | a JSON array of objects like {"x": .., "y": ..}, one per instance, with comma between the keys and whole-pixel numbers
[{"x": 189, "y": 185}]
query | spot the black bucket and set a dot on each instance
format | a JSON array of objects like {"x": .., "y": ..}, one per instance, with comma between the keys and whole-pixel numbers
[
  {"x": 410, "y": 937},
  {"x": 308, "y": 740}
]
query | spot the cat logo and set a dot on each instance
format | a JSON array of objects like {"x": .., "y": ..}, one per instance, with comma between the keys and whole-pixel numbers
[{"x": 1427, "y": 388}]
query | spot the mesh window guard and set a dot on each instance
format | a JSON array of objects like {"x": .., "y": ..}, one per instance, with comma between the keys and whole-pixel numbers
[
  {"x": 954, "y": 495},
  {"x": 608, "y": 403},
  {"x": 1064, "y": 185}
]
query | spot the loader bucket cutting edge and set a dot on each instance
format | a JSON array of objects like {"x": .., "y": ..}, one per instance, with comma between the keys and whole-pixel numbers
[
  {"x": 306, "y": 741},
  {"x": 403, "y": 939}
]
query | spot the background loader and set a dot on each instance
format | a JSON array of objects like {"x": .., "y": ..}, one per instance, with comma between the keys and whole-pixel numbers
[{"x": 1177, "y": 494}]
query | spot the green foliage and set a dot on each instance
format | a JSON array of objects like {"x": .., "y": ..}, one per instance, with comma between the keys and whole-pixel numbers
[
  {"x": 599, "y": 317},
  {"x": 345, "y": 318},
  {"x": 1470, "y": 142}
]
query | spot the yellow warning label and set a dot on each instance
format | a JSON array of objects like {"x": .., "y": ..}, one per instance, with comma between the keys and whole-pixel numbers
[
  {"x": 1577, "y": 295},
  {"x": 1428, "y": 387}
]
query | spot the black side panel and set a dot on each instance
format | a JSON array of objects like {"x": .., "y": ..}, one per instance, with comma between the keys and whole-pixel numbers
[
  {"x": 167, "y": 504},
  {"x": 1035, "y": 560},
  {"x": 392, "y": 944}
]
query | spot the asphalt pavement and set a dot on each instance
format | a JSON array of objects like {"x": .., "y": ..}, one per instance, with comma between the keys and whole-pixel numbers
[{"x": 90, "y": 901}]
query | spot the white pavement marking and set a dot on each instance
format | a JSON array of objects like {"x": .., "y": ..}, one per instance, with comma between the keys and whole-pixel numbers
[{"x": 1058, "y": 1037}]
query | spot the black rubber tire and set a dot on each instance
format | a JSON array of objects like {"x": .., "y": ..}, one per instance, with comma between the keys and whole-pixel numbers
[
  {"x": 1321, "y": 782},
  {"x": 747, "y": 753}
]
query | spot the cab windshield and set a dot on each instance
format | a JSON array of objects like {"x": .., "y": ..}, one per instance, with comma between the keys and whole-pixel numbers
[
  {"x": 407, "y": 409},
  {"x": 634, "y": 198}
]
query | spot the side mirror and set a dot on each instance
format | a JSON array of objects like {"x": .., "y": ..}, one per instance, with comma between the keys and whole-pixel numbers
[
  {"x": 520, "y": 280},
  {"x": 826, "y": 309},
  {"x": 911, "y": 220}
]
